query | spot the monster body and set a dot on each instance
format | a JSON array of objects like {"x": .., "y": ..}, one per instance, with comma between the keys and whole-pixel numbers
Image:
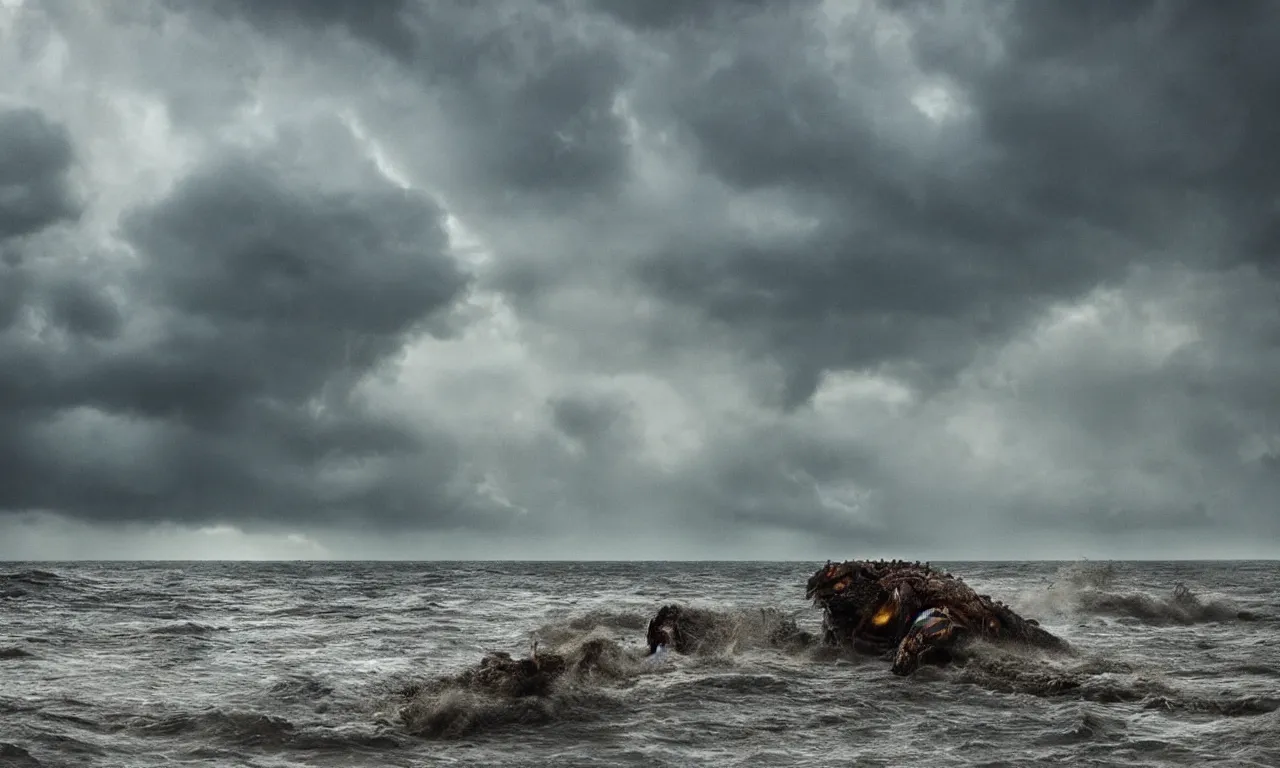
[
  {"x": 906, "y": 612},
  {"x": 912, "y": 612}
]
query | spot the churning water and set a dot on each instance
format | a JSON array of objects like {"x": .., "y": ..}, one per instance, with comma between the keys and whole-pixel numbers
[{"x": 349, "y": 664}]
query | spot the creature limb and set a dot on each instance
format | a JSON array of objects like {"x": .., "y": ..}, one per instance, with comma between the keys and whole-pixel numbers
[{"x": 934, "y": 638}]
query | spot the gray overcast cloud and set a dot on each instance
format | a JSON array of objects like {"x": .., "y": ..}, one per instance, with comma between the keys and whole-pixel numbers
[{"x": 620, "y": 279}]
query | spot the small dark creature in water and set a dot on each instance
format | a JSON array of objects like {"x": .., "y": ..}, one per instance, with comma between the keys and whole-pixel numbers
[
  {"x": 666, "y": 630},
  {"x": 690, "y": 630}
]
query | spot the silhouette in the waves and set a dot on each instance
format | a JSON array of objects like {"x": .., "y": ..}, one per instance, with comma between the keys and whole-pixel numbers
[{"x": 690, "y": 630}]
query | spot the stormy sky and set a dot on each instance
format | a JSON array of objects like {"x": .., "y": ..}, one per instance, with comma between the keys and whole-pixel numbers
[{"x": 620, "y": 279}]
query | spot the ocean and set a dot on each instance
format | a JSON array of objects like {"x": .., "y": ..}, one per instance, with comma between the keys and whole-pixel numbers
[{"x": 347, "y": 664}]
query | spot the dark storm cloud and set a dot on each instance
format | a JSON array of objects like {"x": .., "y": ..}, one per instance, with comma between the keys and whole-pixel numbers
[
  {"x": 83, "y": 309},
  {"x": 36, "y": 161},
  {"x": 783, "y": 481},
  {"x": 529, "y": 100},
  {"x": 258, "y": 302},
  {"x": 1081, "y": 147},
  {"x": 1090, "y": 143},
  {"x": 685, "y": 206},
  {"x": 1132, "y": 114},
  {"x": 272, "y": 292},
  {"x": 589, "y": 419},
  {"x": 35, "y": 158},
  {"x": 1152, "y": 122},
  {"x": 381, "y": 22},
  {"x": 669, "y": 14}
]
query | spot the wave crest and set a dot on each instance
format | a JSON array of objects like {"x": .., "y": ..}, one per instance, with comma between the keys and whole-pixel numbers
[
  {"x": 1089, "y": 589},
  {"x": 710, "y": 632},
  {"x": 15, "y": 756},
  {"x": 502, "y": 691},
  {"x": 1182, "y": 607},
  {"x": 1099, "y": 681},
  {"x": 237, "y": 726},
  {"x": 188, "y": 628}
]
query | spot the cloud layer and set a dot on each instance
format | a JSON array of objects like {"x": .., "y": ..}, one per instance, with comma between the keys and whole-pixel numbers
[{"x": 599, "y": 279}]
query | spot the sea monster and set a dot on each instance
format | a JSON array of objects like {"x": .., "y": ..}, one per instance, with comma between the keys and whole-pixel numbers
[
  {"x": 918, "y": 614},
  {"x": 905, "y": 611}
]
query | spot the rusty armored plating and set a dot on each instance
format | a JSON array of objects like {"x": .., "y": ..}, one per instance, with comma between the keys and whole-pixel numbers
[{"x": 920, "y": 615}]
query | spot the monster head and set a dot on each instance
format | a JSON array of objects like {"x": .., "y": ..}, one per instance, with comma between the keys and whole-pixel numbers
[
  {"x": 855, "y": 600},
  {"x": 850, "y": 582}
]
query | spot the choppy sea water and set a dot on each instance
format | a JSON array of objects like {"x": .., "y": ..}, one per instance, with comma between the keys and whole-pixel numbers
[{"x": 331, "y": 664}]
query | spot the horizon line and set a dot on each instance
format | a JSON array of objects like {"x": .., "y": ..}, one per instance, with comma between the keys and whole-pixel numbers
[{"x": 646, "y": 560}]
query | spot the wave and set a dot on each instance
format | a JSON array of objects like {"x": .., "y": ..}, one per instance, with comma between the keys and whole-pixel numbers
[
  {"x": 457, "y": 713},
  {"x": 258, "y": 729},
  {"x": 1223, "y": 706},
  {"x": 728, "y": 632},
  {"x": 14, "y": 756},
  {"x": 32, "y": 576},
  {"x": 500, "y": 691},
  {"x": 1089, "y": 589},
  {"x": 1089, "y": 726},
  {"x": 1182, "y": 607},
  {"x": 591, "y": 624},
  {"x": 1088, "y": 575},
  {"x": 241, "y": 727},
  {"x": 35, "y": 583},
  {"x": 1095, "y": 680},
  {"x": 1261, "y": 670},
  {"x": 709, "y": 632},
  {"x": 579, "y": 677},
  {"x": 300, "y": 688},
  {"x": 186, "y": 628},
  {"x": 23, "y": 583}
]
